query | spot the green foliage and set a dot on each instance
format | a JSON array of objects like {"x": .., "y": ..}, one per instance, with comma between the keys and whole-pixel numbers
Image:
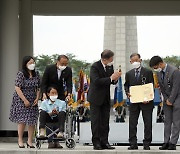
[
  {"x": 173, "y": 60},
  {"x": 43, "y": 60}
]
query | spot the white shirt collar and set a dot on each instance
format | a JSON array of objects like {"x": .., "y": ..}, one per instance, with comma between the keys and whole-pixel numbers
[{"x": 103, "y": 64}]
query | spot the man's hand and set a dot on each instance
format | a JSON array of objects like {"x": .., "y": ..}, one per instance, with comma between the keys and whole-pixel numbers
[
  {"x": 168, "y": 102},
  {"x": 54, "y": 111},
  {"x": 128, "y": 95},
  {"x": 116, "y": 75},
  {"x": 145, "y": 102},
  {"x": 44, "y": 96},
  {"x": 68, "y": 97},
  {"x": 35, "y": 102}
]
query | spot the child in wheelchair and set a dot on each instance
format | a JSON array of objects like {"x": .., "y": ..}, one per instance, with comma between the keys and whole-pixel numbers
[{"x": 53, "y": 110}]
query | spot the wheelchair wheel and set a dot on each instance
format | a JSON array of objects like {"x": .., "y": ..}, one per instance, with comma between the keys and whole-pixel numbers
[
  {"x": 38, "y": 144},
  {"x": 70, "y": 143}
]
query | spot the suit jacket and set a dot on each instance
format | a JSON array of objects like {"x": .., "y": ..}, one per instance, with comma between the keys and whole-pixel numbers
[
  {"x": 170, "y": 86},
  {"x": 99, "y": 90},
  {"x": 146, "y": 75},
  {"x": 50, "y": 78}
]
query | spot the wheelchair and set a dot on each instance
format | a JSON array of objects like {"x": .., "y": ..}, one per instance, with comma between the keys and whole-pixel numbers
[{"x": 70, "y": 127}]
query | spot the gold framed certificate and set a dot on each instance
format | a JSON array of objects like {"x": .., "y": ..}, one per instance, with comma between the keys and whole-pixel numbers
[{"x": 141, "y": 93}]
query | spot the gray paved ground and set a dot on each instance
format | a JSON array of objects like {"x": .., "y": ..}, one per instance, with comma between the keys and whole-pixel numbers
[{"x": 12, "y": 148}]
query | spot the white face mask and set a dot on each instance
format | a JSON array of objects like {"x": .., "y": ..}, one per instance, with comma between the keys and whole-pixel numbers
[
  {"x": 62, "y": 67},
  {"x": 53, "y": 98},
  {"x": 158, "y": 69},
  {"x": 110, "y": 64},
  {"x": 136, "y": 65},
  {"x": 31, "y": 67}
]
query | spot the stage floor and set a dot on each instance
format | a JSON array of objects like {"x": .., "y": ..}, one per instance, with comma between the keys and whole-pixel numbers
[{"x": 12, "y": 148}]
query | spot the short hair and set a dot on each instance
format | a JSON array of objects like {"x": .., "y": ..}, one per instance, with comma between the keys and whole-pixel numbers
[
  {"x": 135, "y": 54},
  {"x": 49, "y": 89},
  {"x": 62, "y": 56},
  {"x": 106, "y": 54},
  {"x": 155, "y": 60}
]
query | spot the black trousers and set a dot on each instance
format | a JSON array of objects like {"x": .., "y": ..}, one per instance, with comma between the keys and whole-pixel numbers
[
  {"x": 45, "y": 118},
  {"x": 133, "y": 121},
  {"x": 100, "y": 123}
]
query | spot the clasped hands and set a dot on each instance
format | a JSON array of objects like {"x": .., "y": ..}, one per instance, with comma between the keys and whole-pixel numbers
[
  {"x": 27, "y": 103},
  {"x": 54, "y": 112}
]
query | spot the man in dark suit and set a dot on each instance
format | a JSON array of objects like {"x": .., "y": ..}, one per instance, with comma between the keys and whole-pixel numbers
[
  {"x": 101, "y": 77},
  {"x": 138, "y": 76},
  {"x": 58, "y": 75},
  {"x": 169, "y": 82}
]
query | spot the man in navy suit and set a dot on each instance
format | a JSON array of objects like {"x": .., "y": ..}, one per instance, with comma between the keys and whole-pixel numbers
[
  {"x": 101, "y": 77},
  {"x": 58, "y": 75},
  {"x": 138, "y": 76}
]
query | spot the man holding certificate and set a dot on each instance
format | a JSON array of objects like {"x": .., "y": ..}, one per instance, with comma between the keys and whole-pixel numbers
[{"x": 138, "y": 87}]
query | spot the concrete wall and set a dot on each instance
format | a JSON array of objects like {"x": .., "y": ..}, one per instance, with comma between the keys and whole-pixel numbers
[
  {"x": 9, "y": 58},
  {"x": 15, "y": 43},
  {"x": 106, "y": 7}
]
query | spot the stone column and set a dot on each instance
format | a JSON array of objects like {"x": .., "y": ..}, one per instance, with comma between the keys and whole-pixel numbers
[
  {"x": 120, "y": 36},
  {"x": 9, "y": 59},
  {"x": 26, "y": 29}
]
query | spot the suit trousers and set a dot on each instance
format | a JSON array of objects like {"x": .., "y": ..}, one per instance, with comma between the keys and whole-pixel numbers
[
  {"x": 133, "y": 121},
  {"x": 100, "y": 122},
  {"x": 171, "y": 124}
]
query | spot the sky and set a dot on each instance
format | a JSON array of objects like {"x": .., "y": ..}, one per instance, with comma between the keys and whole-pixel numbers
[{"x": 83, "y": 36}]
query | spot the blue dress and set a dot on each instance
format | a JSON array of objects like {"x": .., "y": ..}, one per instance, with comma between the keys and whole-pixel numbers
[{"x": 18, "y": 112}]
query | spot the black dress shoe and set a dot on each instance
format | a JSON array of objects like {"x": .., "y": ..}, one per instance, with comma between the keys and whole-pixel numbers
[
  {"x": 21, "y": 146},
  {"x": 172, "y": 146},
  {"x": 146, "y": 148},
  {"x": 133, "y": 147},
  {"x": 29, "y": 146},
  {"x": 107, "y": 146},
  {"x": 164, "y": 146},
  {"x": 97, "y": 147}
]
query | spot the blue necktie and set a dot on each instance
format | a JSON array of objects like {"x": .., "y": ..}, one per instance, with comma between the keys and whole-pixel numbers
[{"x": 163, "y": 75}]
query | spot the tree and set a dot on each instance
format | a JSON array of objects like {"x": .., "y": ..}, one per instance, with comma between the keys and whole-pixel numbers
[
  {"x": 43, "y": 60},
  {"x": 173, "y": 60}
]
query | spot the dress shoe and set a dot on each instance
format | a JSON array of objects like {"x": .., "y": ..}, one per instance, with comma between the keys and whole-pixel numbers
[
  {"x": 21, "y": 146},
  {"x": 107, "y": 146},
  {"x": 172, "y": 146},
  {"x": 57, "y": 145},
  {"x": 164, "y": 146},
  {"x": 51, "y": 145},
  {"x": 29, "y": 146},
  {"x": 146, "y": 147},
  {"x": 97, "y": 147},
  {"x": 133, "y": 147}
]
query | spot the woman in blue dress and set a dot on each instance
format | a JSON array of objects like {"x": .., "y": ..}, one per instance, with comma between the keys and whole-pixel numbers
[{"x": 24, "y": 107}]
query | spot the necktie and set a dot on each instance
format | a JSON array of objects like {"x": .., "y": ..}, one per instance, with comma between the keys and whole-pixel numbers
[
  {"x": 163, "y": 75},
  {"x": 137, "y": 74},
  {"x": 106, "y": 68}
]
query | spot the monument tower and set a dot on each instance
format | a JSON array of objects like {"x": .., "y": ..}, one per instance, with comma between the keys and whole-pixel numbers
[{"x": 120, "y": 36}]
